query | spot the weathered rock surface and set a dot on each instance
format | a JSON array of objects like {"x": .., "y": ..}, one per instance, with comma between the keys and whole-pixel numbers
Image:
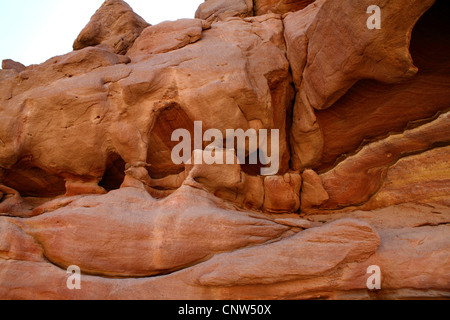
[
  {"x": 114, "y": 26},
  {"x": 279, "y": 6},
  {"x": 135, "y": 236},
  {"x": 358, "y": 178},
  {"x": 104, "y": 95},
  {"x": 412, "y": 252},
  {"x": 168, "y": 36},
  {"x": 325, "y": 72},
  {"x": 9, "y": 64},
  {"x": 87, "y": 176},
  {"x": 313, "y": 193},
  {"x": 330, "y": 71},
  {"x": 282, "y": 193},
  {"x": 216, "y": 10},
  {"x": 423, "y": 178},
  {"x": 370, "y": 110},
  {"x": 320, "y": 251}
]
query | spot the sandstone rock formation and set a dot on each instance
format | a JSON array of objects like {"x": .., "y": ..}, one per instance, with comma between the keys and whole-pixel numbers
[
  {"x": 12, "y": 65},
  {"x": 215, "y": 10},
  {"x": 279, "y": 6},
  {"x": 114, "y": 26},
  {"x": 87, "y": 176}
]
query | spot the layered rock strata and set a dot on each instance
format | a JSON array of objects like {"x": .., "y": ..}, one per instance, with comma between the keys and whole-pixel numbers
[{"x": 87, "y": 176}]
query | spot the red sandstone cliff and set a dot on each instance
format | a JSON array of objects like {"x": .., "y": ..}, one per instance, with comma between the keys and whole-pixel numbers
[{"x": 87, "y": 179}]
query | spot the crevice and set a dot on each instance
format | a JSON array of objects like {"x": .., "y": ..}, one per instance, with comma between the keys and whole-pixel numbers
[
  {"x": 431, "y": 224},
  {"x": 413, "y": 124},
  {"x": 437, "y": 145}
]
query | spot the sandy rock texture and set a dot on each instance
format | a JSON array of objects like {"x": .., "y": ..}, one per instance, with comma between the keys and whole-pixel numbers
[
  {"x": 87, "y": 176},
  {"x": 12, "y": 65},
  {"x": 279, "y": 6},
  {"x": 114, "y": 26},
  {"x": 215, "y": 10}
]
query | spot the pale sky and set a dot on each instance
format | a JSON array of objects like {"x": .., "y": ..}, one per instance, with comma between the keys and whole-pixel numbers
[{"x": 33, "y": 31}]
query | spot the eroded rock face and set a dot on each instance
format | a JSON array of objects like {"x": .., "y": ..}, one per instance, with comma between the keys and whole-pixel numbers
[
  {"x": 168, "y": 36},
  {"x": 279, "y": 6},
  {"x": 126, "y": 106},
  {"x": 87, "y": 176},
  {"x": 355, "y": 180},
  {"x": 114, "y": 26},
  {"x": 9, "y": 64},
  {"x": 140, "y": 232},
  {"x": 313, "y": 192},
  {"x": 354, "y": 52},
  {"x": 215, "y": 10},
  {"x": 371, "y": 109},
  {"x": 282, "y": 193}
]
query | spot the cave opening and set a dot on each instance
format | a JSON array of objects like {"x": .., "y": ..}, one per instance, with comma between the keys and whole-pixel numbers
[{"x": 372, "y": 110}]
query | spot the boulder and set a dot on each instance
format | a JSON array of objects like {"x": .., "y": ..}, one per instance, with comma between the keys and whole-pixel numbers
[{"x": 114, "y": 26}]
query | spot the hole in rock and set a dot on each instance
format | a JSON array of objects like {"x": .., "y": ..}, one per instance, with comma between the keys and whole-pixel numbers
[
  {"x": 430, "y": 43},
  {"x": 252, "y": 169},
  {"x": 114, "y": 174},
  {"x": 169, "y": 119}
]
